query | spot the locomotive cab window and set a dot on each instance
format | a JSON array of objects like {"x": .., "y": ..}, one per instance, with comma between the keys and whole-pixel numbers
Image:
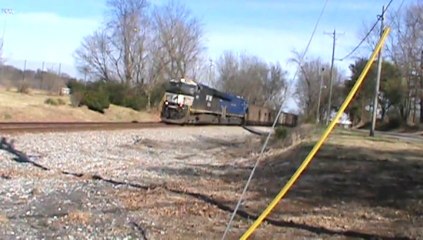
[{"x": 181, "y": 88}]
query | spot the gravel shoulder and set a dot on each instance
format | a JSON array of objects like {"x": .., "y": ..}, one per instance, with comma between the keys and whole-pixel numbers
[{"x": 182, "y": 183}]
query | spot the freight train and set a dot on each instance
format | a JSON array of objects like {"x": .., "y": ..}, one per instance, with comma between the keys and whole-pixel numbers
[{"x": 188, "y": 102}]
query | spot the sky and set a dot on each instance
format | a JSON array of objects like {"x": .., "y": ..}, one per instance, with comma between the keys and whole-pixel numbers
[{"x": 50, "y": 31}]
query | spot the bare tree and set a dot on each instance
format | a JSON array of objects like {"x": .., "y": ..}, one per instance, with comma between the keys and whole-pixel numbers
[
  {"x": 93, "y": 56},
  {"x": 178, "y": 41},
  {"x": 252, "y": 78},
  {"x": 308, "y": 86},
  {"x": 128, "y": 28},
  {"x": 404, "y": 47},
  {"x": 119, "y": 50},
  {"x": 228, "y": 68}
]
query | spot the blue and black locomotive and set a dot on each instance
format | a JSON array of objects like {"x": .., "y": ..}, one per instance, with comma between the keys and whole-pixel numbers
[{"x": 188, "y": 102}]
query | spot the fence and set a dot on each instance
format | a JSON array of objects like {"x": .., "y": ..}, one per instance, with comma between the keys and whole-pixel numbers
[{"x": 41, "y": 75}]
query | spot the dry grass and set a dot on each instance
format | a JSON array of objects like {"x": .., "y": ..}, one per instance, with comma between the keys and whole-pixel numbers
[
  {"x": 79, "y": 217},
  {"x": 385, "y": 143},
  {"x": 32, "y": 107}
]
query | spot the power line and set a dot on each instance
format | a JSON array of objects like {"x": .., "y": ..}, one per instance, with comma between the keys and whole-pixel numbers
[
  {"x": 370, "y": 31},
  {"x": 273, "y": 126}
]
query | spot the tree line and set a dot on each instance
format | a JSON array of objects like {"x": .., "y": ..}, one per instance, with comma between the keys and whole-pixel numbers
[
  {"x": 401, "y": 90},
  {"x": 400, "y": 97}
]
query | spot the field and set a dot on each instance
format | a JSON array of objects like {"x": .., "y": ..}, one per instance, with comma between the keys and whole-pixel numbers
[
  {"x": 32, "y": 107},
  {"x": 183, "y": 183}
]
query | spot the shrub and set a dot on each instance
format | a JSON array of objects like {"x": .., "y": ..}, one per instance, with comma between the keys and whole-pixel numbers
[
  {"x": 136, "y": 102},
  {"x": 96, "y": 100},
  {"x": 281, "y": 132},
  {"x": 7, "y": 116},
  {"x": 60, "y": 101},
  {"x": 76, "y": 98},
  {"x": 157, "y": 93},
  {"x": 117, "y": 92},
  {"x": 51, "y": 101},
  {"x": 54, "y": 102},
  {"x": 393, "y": 123},
  {"x": 100, "y": 94},
  {"x": 23, "y": 88},
  {"x": 75, "y": 86}
]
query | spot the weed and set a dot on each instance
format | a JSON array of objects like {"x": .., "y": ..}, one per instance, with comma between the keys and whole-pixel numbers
[
  {"x": 23, "y": 88},
  {"x": 281, "y": 132},
  {"x": 7, "y": 116},
  {"x": 79, "y": 217},
  {"x": 51, "y": 101}
]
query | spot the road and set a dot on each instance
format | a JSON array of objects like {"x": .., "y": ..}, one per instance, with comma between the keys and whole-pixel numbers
[{"x": 402, "y": 136}]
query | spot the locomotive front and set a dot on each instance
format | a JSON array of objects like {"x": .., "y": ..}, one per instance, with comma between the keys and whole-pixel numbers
[{"x": 177, "y": 101}]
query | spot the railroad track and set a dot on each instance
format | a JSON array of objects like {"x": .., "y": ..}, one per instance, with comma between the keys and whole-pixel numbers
[{"x": 19, "y": 127}]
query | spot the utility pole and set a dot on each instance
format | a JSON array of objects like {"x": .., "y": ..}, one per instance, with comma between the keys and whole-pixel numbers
[
  {"x": 421, "y": 87},
  {"x": 331, "y": 78},
  {"x": 320, "y": 96},
  {"x": 379, "y": 71}
]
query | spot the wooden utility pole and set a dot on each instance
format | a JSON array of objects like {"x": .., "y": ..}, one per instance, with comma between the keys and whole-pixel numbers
[
  {"x": 331, "y": 78},
  {"x": 421, "y": 87},
  {"x": 379, "y": 71},
  {"x": 320, "y": 96}
]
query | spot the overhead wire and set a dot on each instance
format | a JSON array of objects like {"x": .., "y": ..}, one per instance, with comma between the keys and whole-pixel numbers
[
  {"x": 368, "y": 33},
  {"x": 273, "y": 126}
]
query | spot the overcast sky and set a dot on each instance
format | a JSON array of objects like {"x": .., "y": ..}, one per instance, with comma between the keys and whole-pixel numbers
[{"x": 51, "y": 30}]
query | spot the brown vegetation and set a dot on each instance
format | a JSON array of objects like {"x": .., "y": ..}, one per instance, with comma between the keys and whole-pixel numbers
[{"x": 79, "y": 217}]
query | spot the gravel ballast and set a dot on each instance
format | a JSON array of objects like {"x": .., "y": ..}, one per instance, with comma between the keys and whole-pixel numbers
[{"x": 183, "y": 182}]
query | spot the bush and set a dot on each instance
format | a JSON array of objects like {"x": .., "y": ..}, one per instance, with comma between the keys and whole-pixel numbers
[
  {"x": 96, "y": 100},
  {"x": 157, "y": 93},
  {"x": 75, "y": 86},
  {"x": 94, "y": 95},
  {"x": 393, "y": 123},
  {"x": 51, "y": 101},
  {"x": 60, "y": 101},
  {"x": 137, "y": 102},
  {"x": 117, "y": 92},
  {"x": 281, "y": 132},
  {"x": 76, "y": 99},
  {"x": 54, "y": 102},
  {"x": 23, "y": 88}
]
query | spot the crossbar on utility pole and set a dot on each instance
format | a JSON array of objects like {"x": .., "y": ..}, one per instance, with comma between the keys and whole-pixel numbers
[
  {"x": 379, "y": 72},
  {"x": 331, "y": 78}
]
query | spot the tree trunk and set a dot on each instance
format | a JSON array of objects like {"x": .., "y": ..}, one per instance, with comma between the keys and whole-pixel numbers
[
  {"x": 421, "y": 109},
  {"x": 383, "y": 112},
  {"x": 148, "y": 102}
]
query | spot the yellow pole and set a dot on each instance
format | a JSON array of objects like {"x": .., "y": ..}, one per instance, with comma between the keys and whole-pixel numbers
[{"x": 310, "y": 156}]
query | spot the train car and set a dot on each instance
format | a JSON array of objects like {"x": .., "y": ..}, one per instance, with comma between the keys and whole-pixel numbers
[
  {"x": 187, "y": 102},
  {"x": 288, "y": 119},
  {"x": 257, "y": 115}
]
